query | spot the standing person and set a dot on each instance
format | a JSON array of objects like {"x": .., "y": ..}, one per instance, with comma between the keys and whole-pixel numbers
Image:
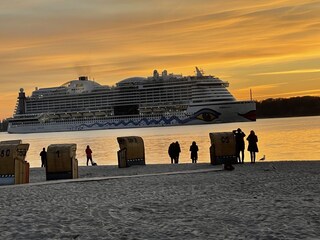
[
  {"x": 252, "y": 147},
  {"x": 171, "y": 152},
  {"x": 177, "y": 151},
  {"x": 89, "y": 155},
  {"x": 43, "y": 155},
  {"x": 240, "y": 145},
  {"x": 194, "y": 152}
]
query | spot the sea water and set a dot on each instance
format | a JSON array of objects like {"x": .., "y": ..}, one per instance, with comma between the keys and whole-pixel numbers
[{"x": 280, "y": 139}]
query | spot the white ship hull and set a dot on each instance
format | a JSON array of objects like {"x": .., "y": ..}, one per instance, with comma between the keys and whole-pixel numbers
[{"x": 194, "y": 115}]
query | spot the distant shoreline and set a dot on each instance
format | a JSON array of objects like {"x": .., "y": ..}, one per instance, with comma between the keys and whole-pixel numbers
[{"x": 291, "y": 116}]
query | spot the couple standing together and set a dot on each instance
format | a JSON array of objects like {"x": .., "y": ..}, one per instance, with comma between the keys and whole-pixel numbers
[
  {"x": 252, "y": 147},
  {"x": 174, "y": 152}
]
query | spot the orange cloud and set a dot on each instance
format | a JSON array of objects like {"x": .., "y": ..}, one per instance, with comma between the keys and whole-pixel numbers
[
  {"x": 289, "y": 72},
  {"x": 50, "y": 42}
]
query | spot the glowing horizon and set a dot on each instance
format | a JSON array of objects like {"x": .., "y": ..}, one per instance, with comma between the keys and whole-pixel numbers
[{"x": 272, "y": 48}]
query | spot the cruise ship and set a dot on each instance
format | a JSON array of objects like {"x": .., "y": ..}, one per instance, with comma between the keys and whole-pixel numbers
[{"x": 160, "y": 100}]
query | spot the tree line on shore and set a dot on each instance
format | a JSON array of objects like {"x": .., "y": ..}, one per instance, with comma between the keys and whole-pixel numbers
[
  {"x": 269, "y": 108},
  {"x": 288, "y": 107}
]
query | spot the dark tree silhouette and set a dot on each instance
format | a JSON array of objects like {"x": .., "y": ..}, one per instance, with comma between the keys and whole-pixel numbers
[{"x": 288, "y": 107}]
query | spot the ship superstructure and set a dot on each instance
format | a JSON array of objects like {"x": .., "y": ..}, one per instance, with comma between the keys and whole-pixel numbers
[{"x": 160, "y": 100}]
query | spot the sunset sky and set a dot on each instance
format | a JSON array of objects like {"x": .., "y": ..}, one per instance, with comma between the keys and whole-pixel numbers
[{"x": 272, "y": 47}]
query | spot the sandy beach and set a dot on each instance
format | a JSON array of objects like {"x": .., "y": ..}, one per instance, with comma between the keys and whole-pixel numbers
[{"x": 266, "y": 200}]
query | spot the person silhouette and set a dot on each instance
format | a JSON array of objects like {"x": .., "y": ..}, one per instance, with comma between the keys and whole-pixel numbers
[
  {"x": 240, "y": 145},
  {"x": 194, "y": 152},
  {"x": 171, "y": 152},
  {"x": 177, "y": 151},
  {"x": 252, "y": 147},
  {"x": 43, "y": 155},
  {"x": 89, "y": 155}
]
